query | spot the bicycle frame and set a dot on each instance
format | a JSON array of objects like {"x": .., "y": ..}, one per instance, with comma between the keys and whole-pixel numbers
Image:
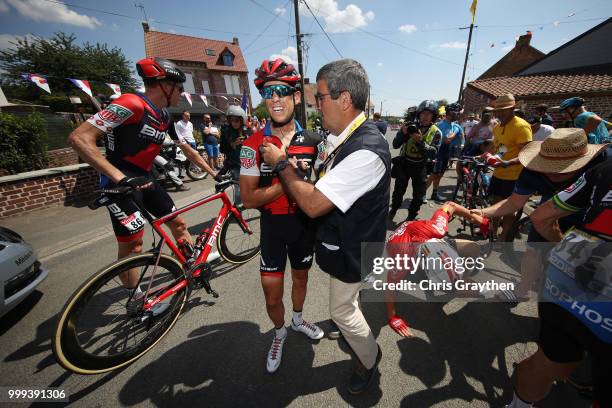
[{"x": 227, "y": 209}]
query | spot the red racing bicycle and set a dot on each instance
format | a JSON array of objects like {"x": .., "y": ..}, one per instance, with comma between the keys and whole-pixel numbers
[{"x": 105, "y": 326}]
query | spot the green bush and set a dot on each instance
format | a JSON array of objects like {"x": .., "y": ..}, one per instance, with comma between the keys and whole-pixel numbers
[{"x": 22, "y": 146}]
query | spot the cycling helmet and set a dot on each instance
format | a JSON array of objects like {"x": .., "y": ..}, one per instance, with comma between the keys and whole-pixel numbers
[
  {"x": 236, "y": 111},
  {"x": 159, "y": 69},
  {"x": 571, "y": 103},
  {"x": 428, "y": 105},
  {"x": 277, "y": 70},
  {"x": 454, "y": 108}
]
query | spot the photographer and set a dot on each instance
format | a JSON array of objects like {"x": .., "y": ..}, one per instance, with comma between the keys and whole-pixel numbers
[
  {"x": 417, "y": 143},
  {"x": 232, "y": 136}
]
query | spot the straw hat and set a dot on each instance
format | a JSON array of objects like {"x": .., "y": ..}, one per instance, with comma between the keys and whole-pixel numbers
[
  {"x": 503, "y": 102},
  {"x": 564, "y": 151}
]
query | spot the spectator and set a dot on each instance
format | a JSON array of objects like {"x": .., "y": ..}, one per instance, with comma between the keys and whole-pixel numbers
[
  {"x": 539, "y": 130},
  {"x": 509, "y": 137},
  {"x": 184, "y": 128},
  {"x": 380, "y": 124},
  {"x": 232, "y": 136},
  {"x": 350, "y": 200},
  {"x": 210, "y": 136},
  {"x": 482, "y": 131},
  {"x": 541, "y": 111},
  {"x": 468, "y": 124},
  {"x": 595, "y": 127}
]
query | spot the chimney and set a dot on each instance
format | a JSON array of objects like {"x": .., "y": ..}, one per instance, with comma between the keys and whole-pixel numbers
[
  {"x": 523, "y": 40},
  {"x": 145, "y": 26},
  {"x": 235, "y": 41}
]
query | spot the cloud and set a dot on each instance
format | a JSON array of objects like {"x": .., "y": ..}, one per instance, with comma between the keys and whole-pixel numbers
[
  {"x": 457, "y": 45},
  {"x": 3, "y": 7},
  {"x": 7, "y": 39},
  {"x": 408, "y": 28},
  {"x": 379, "y": 64},
  {"x": 289, "y": 54},
  {"x": 337, "y": 20},
  {"x": 57, "y": 12},
  {"x": 280, "y": 10}
]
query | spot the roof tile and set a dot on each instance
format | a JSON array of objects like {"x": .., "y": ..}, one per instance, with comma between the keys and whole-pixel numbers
[
  {"x": 543, "y": 84},
  {"x": 186, "y": 48}
]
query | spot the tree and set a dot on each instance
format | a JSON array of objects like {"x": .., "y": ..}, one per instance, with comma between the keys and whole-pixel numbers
[
  {"x": 22, "y": 146},
  {"x": 260, "y": 110},
  {"x": 59, "y": 58}
]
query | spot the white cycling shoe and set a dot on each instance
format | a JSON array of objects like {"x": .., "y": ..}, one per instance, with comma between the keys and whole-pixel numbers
[
  {"x": 275, "y": 354},
  {"x": 313, "y": 331}
]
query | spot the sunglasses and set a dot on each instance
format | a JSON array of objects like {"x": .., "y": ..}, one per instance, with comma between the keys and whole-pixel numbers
[{"x": 281, "y": 90}]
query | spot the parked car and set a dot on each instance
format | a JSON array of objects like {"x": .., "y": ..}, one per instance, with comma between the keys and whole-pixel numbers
[{"x": 20, "y": 270}]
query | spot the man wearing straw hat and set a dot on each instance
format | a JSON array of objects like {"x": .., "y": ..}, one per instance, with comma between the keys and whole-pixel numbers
[
  {"x": 576, "y": 312},
  {"x": 510, "y": 136},
  {"x": 550, "y": 166}
]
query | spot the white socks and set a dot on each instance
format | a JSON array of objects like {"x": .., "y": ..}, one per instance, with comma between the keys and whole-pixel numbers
[
  {"x": 281, "y": 333},
  {"x": 297, "y": 318},
  {"x": 517, "y": 402}
]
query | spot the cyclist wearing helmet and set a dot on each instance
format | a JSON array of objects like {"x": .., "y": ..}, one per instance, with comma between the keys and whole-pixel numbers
[
  {"x": 452, "y": 133},
  {"x": 232, "y": 136},
  {"x": 285, "y": 230},
  {"x": 416, "y": 148},
  {"x": 134, "y": 127},
  {"x": 595, "y": 127}
]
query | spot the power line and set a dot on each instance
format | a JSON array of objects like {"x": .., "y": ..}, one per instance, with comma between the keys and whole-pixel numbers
[
  {"x": 322, "y": 29},
  {"x": 266, "y": 28}
]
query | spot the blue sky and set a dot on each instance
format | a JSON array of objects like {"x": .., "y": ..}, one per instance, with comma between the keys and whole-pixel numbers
[{"x": 412, "y": 50}]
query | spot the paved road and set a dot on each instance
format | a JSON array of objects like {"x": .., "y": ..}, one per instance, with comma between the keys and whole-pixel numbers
[{"x": 462, "y": 354}]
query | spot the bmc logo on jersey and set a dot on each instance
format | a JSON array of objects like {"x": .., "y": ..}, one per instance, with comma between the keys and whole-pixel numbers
[
  {"x": 152, "y": 134},
  {"x": 247, "y": 157},
  {"x": 120, "y": 111}
]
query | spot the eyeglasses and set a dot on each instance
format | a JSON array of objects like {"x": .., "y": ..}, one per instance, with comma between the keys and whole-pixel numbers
[{"x": 281, "y": 90}]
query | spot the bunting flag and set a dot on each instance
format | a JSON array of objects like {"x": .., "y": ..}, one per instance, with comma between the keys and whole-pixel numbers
[
  {"x": 473, "y": 9},
  {"x": 203, "y": 97},
  {"x": 116, "y": 89},
  {"x": 39, "y": 80},
  {"x": 243, "y": 104},
  {"x": 187, "y": 96},
  {"x": 83, "y": 85}
]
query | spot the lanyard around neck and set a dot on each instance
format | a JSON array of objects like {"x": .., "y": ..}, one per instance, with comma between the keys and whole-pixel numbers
[{"x": 356, "y": 123}]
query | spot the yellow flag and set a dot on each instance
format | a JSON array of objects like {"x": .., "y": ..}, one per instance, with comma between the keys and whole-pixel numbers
[{"x": 473, "y": 9}]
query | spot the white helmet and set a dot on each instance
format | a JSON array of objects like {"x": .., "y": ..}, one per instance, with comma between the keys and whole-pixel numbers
[{"x": 237, "y": 111}]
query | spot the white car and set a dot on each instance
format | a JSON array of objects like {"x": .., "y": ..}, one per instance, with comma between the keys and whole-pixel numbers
[{"x": 20, "y": 271}]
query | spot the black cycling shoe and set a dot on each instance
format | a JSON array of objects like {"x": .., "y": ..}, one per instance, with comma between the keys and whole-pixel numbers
[{"x": 362, "y": 378}]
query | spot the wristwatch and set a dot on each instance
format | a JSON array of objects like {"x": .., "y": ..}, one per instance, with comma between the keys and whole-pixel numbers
[{"x": 280, "y": 166}]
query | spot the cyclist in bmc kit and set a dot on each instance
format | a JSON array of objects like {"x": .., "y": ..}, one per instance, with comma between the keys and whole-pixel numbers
[
  {"x": 285, "y": 230},
  {"x": 578, "y": 290},
  {"x": 134, "y": 127}
]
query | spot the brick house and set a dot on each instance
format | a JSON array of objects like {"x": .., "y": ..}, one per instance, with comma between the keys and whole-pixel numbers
[
  {"x": 214, "y": 68},
  {"x": 580, "y": 67}
]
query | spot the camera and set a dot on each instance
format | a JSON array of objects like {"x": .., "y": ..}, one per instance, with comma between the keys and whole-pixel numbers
[{"x": 411, "y": 127}]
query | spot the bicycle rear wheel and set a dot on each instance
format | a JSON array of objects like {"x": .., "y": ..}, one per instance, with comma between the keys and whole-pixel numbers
[
  {"x": 95, "y": 332},
  {"x": 236, "y": 245}
]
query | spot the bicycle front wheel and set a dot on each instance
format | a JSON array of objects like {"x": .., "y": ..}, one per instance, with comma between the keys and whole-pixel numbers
[
  {"x": 237, "y": 245},
  {"x": 99, "y": 331}
]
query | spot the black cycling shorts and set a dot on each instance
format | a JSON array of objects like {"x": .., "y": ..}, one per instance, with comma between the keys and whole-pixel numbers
[
  {"x": 501, "y": 188},
  {"x": 440, "y": 165},
  {"x": 285, "y": 235},
  {"x": 128, "y": 222},
  {"x": 564, "y": 339}
]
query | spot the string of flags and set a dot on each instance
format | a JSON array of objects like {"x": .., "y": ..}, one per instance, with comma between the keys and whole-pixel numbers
[{"x": 84, "y": 85}]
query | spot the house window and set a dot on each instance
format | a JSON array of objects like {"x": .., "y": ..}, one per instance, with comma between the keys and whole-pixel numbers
[
  {"x": 210, "y": 52},
  {"x": 232, "y": 84},
  {"x": 206, "y": 87},
  {"x": 228, "y": 59},
  {"x": 188, "y": 85}
]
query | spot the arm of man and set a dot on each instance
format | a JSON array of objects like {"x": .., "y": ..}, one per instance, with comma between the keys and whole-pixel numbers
[
  {"x": 83, "y": 141},
  {"x": 545, "y": 218},
  {"x": 251, "y": 194},
  {"x": 591, "y": 124},
  {"x": 400, "y": 138},
  {"x": 507, "y": 206}
]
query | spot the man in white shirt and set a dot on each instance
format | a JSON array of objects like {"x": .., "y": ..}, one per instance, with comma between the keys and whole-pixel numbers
[
  {"x": 469, "y": 123},
  {"x": 350, "y": 201},
  {"x": 539, "y": 130},
  {"x": 184, "y": 128}
]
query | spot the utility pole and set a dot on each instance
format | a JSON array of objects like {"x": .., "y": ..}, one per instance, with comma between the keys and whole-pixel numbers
[
  {"x": 298, "y": 37},
  {"x": 467, "y": 53},
  {"x": 381, "y": 107}
]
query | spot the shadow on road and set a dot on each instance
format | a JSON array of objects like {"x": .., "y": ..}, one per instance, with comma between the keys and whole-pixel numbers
[{"x": 224, "y": 365}]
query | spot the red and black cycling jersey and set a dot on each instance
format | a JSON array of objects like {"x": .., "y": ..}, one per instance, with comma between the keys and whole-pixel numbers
[
  {"x": 305, "y": 145},
  {"x": 134, "y": 132},
  {"x": 593, "y": 192}
]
